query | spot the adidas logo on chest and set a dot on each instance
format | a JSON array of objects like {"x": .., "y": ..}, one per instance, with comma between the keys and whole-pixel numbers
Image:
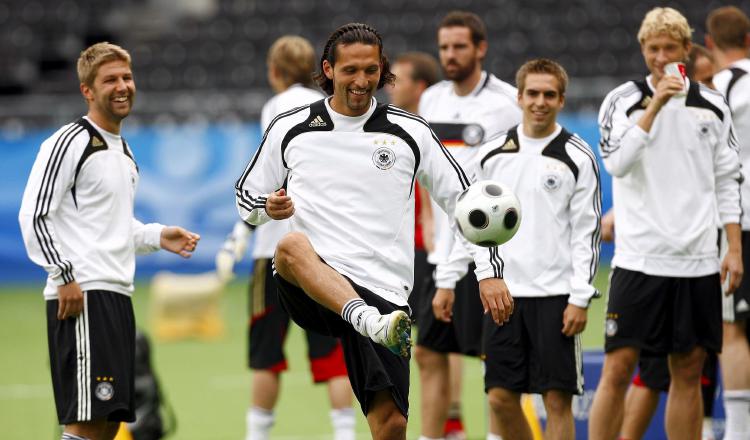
[{"x": 317, "y": 122}]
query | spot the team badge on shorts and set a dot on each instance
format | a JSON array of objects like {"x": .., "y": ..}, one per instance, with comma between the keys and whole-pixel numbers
[
  {"x": 473, "y": 134},
  {"x": 384, "y": 158},
  {"x": 104, "y": 391},
  {"x": 610, "y": 327}
]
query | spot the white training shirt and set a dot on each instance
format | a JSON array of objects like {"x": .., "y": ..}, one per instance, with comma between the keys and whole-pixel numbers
[
  {"x": 352, "y": 183},
  {"x": 267, "y": 235},
  {"x": 668, "y": 184},
  {"x": 556, "y": 248},
  {"x": 463, "y": 123},
  {"x": 734, "y": 83},
  {"x": 77, "y": 211}
]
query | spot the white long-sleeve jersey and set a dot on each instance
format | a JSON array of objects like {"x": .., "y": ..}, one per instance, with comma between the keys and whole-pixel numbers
[
  {"x": 352, "y": 183},
  {"x": 734, "y": 83},
  {"x": 267, "y": 235},
  {"x": 463, "y": 123},
  {"x": 668, "y": 184},
  {"x": 556, "y": 248},
  {"x": 77, "y": 211}
]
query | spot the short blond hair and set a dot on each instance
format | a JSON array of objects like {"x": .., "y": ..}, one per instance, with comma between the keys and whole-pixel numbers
[
  {"x": 665, "y": 21},
  {"x": 94, "y": 56},
  {"x": 294, "y": 57}
]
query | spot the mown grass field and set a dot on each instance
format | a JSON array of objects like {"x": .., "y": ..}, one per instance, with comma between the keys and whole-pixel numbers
[{"x": 206, "y": 382}]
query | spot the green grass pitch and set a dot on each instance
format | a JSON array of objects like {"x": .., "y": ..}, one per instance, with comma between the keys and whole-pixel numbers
[{"x": 207, "y": 383}]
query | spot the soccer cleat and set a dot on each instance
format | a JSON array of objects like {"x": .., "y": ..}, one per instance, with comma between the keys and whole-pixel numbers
[{"x": 394, "y": 332}]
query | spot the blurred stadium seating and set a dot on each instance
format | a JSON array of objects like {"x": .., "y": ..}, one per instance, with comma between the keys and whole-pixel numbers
[{"x": 205, "y": 59}]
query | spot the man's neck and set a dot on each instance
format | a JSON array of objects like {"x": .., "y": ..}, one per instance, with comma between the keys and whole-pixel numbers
[
  {"x": 466, "y": 86},
  {"x": 725, "y": 58},
  {"x": 104, "y": 123}
]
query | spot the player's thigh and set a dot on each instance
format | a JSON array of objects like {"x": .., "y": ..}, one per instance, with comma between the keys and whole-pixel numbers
[
  {"x": 505, "y": 351},
  {"x": 555, "y": 360},
  {"x": 636, "y": 309}
]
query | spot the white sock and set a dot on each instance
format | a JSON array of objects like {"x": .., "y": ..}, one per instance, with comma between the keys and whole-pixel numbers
[
  {"x": 259, "y": 423},
  {"x": 421, "y": 437},
  {"x": 491, "y": 436},
  {"x": 361, "y": 316},
  {"x": 708, "y": 429},
  {"x": 343, "y": 423},
  {"x": 737, "y": 408}
]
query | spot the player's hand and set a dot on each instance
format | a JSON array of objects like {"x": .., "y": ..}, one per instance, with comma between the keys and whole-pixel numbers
[
  {"x": 608, "y": 226},
  {"x": 574, "y": 320},
  {"x": 668, "y": 86},
  {"x": 732, "y": 266},
  {"x": 70, "y": 300},
  {"x": 442, "y": 304},
  {"x": 496, "y": 299},
  {"x": 179, "y": 240},
  {"x": 279, "y": 205}
]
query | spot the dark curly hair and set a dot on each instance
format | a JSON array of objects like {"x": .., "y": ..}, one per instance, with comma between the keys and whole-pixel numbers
[{"x": 349, "y": 34}]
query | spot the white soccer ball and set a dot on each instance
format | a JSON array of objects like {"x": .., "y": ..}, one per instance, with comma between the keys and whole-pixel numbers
[{"x": 488, "y": 213}]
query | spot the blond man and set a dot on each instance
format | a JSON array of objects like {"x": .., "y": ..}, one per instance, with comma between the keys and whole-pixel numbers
[
  {"x": 667, "y": 143},
  {"x": 77, "y": 223}
]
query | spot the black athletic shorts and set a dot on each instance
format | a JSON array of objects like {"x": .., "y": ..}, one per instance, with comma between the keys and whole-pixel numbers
[
  {"x": 268, "y": 327},
  {"x": 737, "y": 305},
  {"x": 423, "y": 285},
  {"x": 529, "y": 353},
  {"x": 92, "y": 359},
  {"x": 661, "y": 315},
  {"x": 464, "y": 333},
  {"x": 653, "y": 373},
  {"x": 371, "y": 366}
]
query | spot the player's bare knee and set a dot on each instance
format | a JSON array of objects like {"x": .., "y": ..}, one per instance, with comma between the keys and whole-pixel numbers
[
  {"x": 291, "y": 248},
  {"x": 687, "y": 367},
  {"x": 504, "y": 402},
  {"x": 393, "y": 427},
  {"x": 427, "y": 358},
  {"x": 558, "y": 402}
]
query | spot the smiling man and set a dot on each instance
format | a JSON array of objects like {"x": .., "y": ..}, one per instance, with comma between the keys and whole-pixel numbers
[
  {"x": 550, "y": 263},
  {"x": 343, "y": 170},
  {"x": 467, "y": 109},
  {"x": 669, "y": 146},
  {"x": 77, "y": 223}
]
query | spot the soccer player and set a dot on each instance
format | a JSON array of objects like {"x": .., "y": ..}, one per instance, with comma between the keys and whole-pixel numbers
[
  {"x": 665, "y": 291},
  {"x": 729, "y": 38},
  {"x": 415, "y": 72},
  {"x": 470, "y": 107},
  {"x": 291, "y": 63},
  {"x": 551, "y": 262},
  {"x": 343, "y": 170},
  {"x": 652, "y": 377},
  {"x": 77, "y": 223}
]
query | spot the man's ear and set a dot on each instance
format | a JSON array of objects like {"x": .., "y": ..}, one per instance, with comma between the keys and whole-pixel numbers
[{"x": 327, "y": 69}]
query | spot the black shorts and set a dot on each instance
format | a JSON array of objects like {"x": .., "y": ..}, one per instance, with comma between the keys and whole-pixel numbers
[
  {"x": 530, "y": 354},
  {"x": 268, "y": 327},
  {"x": 661, "y": 315},
  {"x": 92, "y": 359},
  {"x": 423, "y": 285},
  {"x": 653, "y": 373},
  {"x": 371, "y": 366},
  {"x": 464, "y": 333},
  {"x": 737, "y": 305}
]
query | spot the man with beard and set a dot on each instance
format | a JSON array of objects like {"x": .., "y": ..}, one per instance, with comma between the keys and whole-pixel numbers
[
  {"x": 470, "y": 107},
  {"x": 729, "y": 39},
  {"x": 77, "y": 223},
  {"x": 342, "y": 169}
]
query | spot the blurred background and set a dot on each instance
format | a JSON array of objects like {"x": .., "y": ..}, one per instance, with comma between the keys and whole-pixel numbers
[{"x": 200, "y": 70}]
